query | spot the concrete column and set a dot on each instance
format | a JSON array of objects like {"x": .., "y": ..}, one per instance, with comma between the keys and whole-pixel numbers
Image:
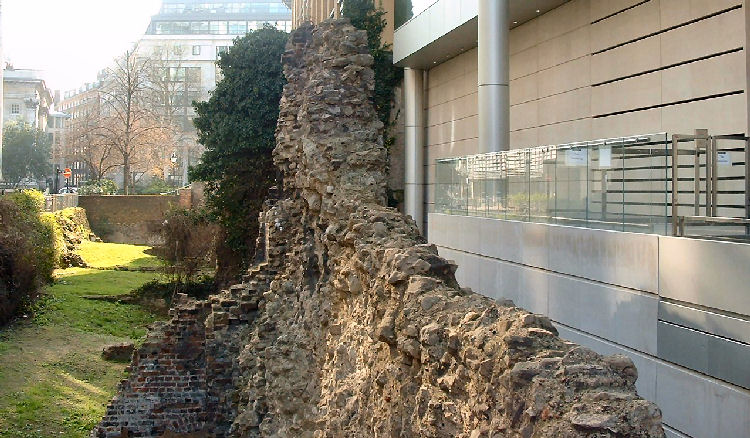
[
  {"x": 414, "y": 145},
  {"x": 494, "y": 99}
]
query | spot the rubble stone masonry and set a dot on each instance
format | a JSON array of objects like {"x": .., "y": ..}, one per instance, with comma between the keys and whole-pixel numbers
[{"x": 353, "y": 325}]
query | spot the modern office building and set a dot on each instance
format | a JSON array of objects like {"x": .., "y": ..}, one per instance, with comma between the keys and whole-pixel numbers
[
  {"x": 188, "y": 36},
  {"x": 552, "y": 151}
]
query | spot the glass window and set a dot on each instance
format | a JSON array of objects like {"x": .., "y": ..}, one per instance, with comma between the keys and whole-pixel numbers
[
  {"x": 199, "y": 27},
  {"x": 196, "y": 50},
  {"x": 181, "y": 27},
  {"x": 278, "y": 8},
  {"x": 193, "y": 75},
  {"x": 237, "y": 27},
  {"x": 221, "y": 49},
  {"x": 177, "y": 73},
  {"x": 15, "y": 108},
  {"x": 174, "y": 8},
  {"x": 405, "y": 10},
  {"x": 161, "y": 28}
]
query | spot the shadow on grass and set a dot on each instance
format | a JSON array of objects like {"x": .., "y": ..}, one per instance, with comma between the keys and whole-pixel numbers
[
  {"x": 65, "y": 304},
  {"x": 62, "y": 386},
  {"x": 53, "y": 380}
]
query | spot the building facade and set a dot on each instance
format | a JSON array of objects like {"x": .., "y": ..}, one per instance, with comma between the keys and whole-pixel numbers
[
  {"x": 26, "y": 97},
  {"x": 57, "y": 129},
  {"x": 182, "y": 42},
  {"x": 188, "y": 36},
  {"x": 315, "y": 11},
  {"x": 78, "y": 109},
  {"x": 541, "y": 155}
]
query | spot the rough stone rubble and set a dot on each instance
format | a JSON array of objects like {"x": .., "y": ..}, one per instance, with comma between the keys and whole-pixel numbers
[{"x": 353, "y": 326}]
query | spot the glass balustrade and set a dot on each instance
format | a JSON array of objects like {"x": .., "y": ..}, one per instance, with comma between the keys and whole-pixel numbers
[{"x": 616, "y": 184}]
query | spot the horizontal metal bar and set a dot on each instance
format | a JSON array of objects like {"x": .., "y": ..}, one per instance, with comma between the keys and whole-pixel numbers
[
  {"x": 697, "y": 220},
  {"x": 731, "y": 137}
]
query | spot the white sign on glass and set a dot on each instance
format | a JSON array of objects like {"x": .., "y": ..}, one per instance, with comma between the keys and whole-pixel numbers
[
  {"x": 723, "y": 158},
  {"x": 575, "y": 157},
  {"x": 605, "y": 156}
]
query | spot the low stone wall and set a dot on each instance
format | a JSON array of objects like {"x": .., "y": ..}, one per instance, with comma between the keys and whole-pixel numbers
[
  {"x": 60, "y": 202},
  {"x": 134, "y": 219}
]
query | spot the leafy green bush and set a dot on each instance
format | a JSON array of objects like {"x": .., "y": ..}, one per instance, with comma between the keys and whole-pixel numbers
[
  {"x": 30, "y": 247},
  {"x": 237, "y": 126},
  {"x": 155, "y": 186},
  {"x": 51, "y": 232},
  {"x": 30, "y": 201},
  {"x": 366, "y": 16},
  {"x": 101, "y": 187}
]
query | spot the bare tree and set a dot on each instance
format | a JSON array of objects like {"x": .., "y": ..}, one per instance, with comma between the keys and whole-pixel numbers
[
  {"x": 175, "y": 84},
  {"x": 88, "y": 146},
  {"x": 129, "y": 122}
]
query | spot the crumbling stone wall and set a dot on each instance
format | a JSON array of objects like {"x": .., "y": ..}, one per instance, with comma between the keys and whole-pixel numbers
[{"x": 354, "y": 326}]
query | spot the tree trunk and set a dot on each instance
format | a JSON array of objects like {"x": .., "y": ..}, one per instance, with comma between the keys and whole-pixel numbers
[{"x": 126, "y": 173}]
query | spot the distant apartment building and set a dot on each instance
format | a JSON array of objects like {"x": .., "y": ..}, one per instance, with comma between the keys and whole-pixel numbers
[
  {"x": 75, "y": 110},
  {"x": 26, "y": 97},
  {"x": 57, "y": 130},
  {"x": 188, "y": 36}
]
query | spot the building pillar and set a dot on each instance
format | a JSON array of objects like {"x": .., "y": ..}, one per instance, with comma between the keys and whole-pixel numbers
[
  {"x": 414, "y": 145},
  {"x": 494, "y": 98}
]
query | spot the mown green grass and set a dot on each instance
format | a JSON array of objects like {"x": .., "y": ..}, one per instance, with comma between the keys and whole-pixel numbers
[
  {"x": 53, "y": 381},
  {"x": 104, "y": 255}
]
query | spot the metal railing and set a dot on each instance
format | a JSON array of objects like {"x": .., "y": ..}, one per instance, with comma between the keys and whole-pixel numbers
[
  {"x": 708, "y": 156},
  {"x": 623, "y": 183}
]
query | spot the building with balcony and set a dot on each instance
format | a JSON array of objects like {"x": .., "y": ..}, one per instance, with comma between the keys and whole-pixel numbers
[{"x": 587, "y": 159}]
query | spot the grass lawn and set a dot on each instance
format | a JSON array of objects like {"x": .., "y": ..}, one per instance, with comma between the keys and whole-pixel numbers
[
  {"x": 104, "y": 255},
  {"x": 53, "y": 381}
]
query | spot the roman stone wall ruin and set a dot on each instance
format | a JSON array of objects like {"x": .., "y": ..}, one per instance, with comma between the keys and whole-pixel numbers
[{"x": 353, "y": 325}]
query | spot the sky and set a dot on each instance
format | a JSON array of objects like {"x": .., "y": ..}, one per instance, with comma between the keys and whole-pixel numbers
[{"x": 71, "y": 40}]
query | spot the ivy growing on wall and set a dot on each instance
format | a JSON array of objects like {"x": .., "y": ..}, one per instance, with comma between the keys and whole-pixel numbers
[{"x": 364, "y": 15}]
